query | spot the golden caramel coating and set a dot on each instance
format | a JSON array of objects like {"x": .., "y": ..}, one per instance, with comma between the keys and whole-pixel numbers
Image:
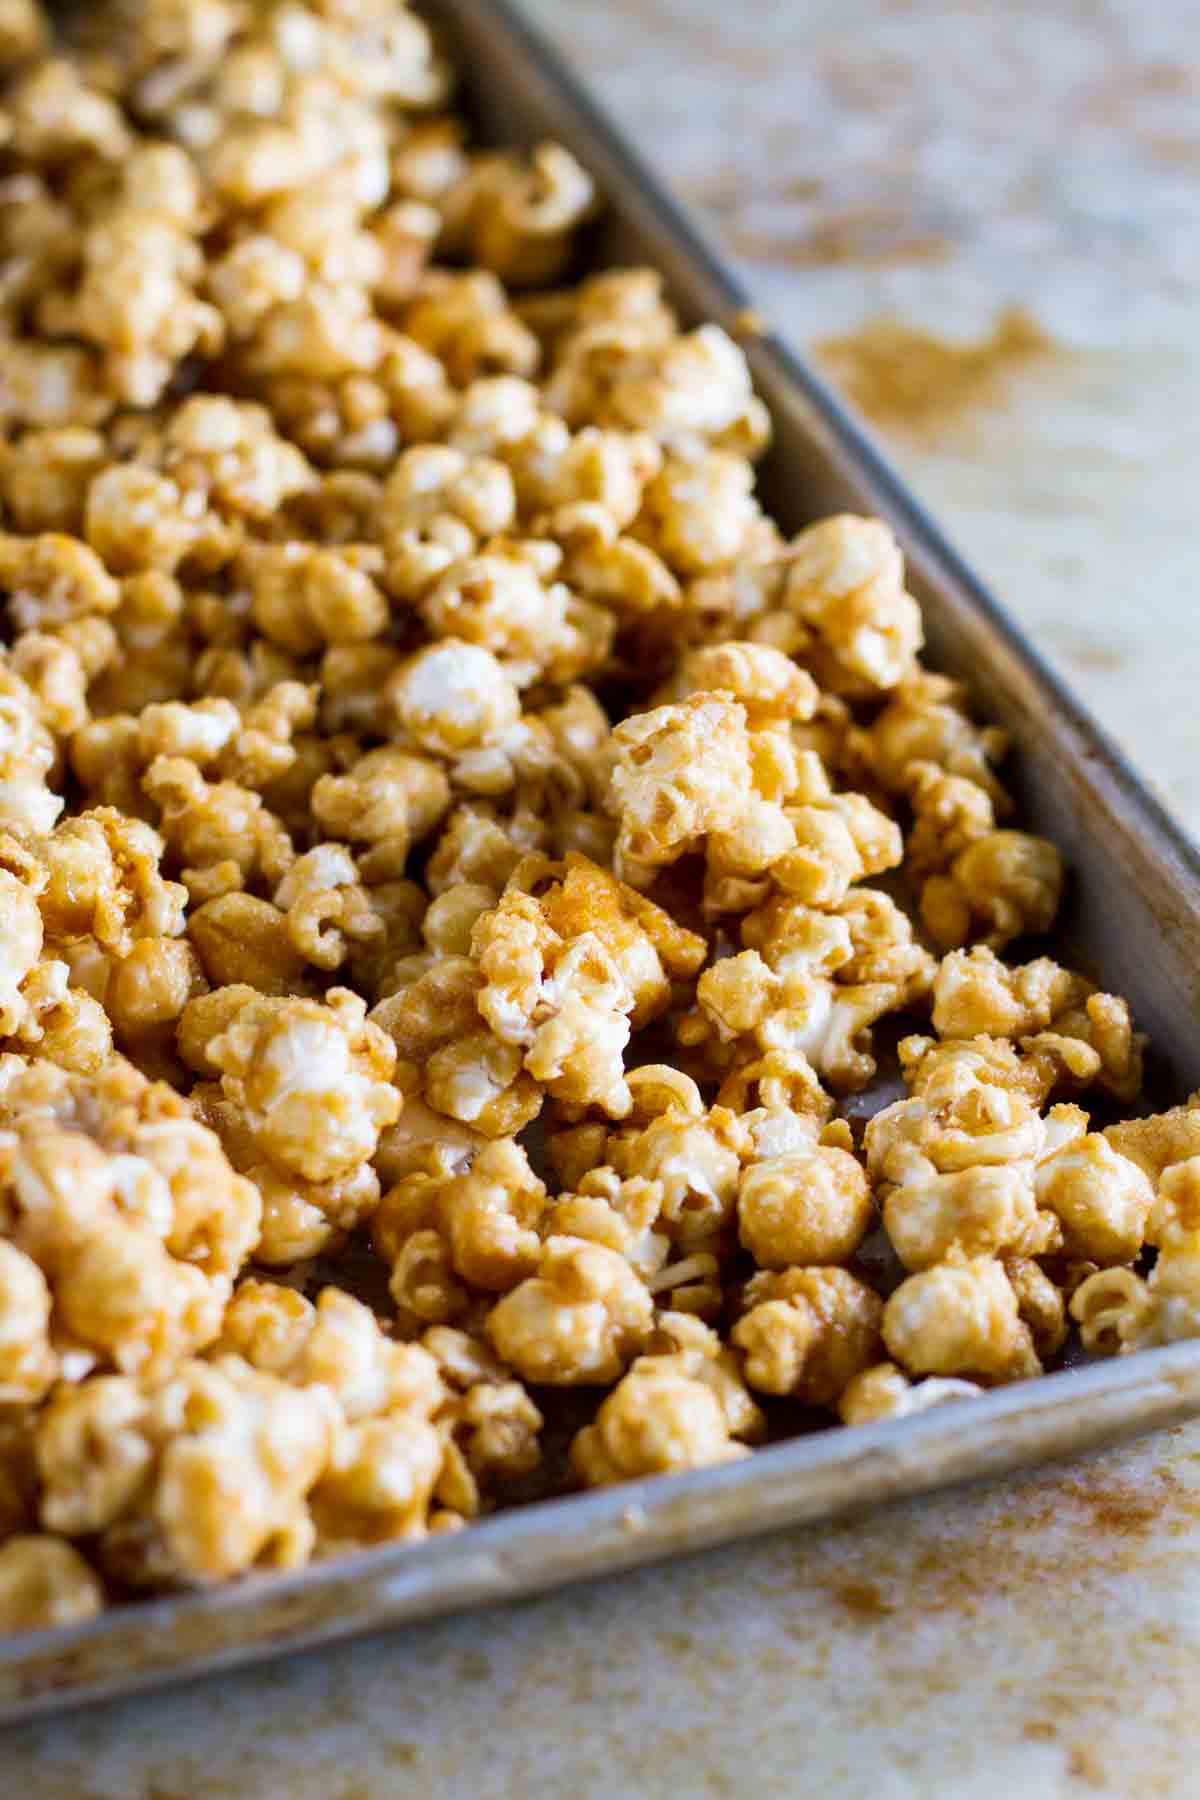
[
  {"x": 310, "y": 1081},
  {"x": 579, "y": 1320},
  {"x": 656, "y": 1420},
  {"x": 1005, "y": 885},
  {"x": 804, "y": 1207},
  {"x": 44, "y": 1581},
  {"x": 885, "y": 1392},
  {"x": 807, "y": 1332},
  {"x": 959, "y": 1318},
  {"x": 843, "y": 585}
]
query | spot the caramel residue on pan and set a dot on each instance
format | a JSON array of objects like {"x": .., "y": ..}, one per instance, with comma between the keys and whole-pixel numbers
[{"x": 898, "y": 374}]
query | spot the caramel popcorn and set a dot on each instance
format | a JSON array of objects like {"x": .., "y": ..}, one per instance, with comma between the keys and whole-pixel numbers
[
  {"x": 959, "y": 1318},
  {"x": 44, "y": 1581},
  {"x": 411, "y": 723},
  {"x": 807, "y": 1332}
]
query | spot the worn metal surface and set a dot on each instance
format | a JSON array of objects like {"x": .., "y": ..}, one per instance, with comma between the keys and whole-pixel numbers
[{"x": 1141, "y": 931}]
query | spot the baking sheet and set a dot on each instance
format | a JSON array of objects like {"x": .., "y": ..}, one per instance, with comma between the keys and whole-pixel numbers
[{"x": 1134, "y": 916}]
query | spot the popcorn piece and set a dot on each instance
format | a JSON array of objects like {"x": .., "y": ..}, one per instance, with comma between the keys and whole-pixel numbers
[
  {"x": 885, "y": 1392},
  {"x": 387, "y": 801},
  {"x": 959, "y": 1318},
  {"x": 566, "y": 966},
  {"x": 808, "y": 1206},
  {"x": 310, "y": 1080},
  {"x": 518, "y": 216},
  {"x": 28, "y": 1365},
  {"x": 1118, "y": 1311},
  {"x": 958, "y": 1166},
  {"x": 225, "y": 1458},
  {"x": 807, "y": 1332},
  {"x": 926, "y": 722},
  {"x": 129, "y": 1209},
  {"x": 657, "y": 1420},
  {"x": 580, "y": 1320},
  {"x": 43, "y": 1582},
  {"x": 1101, "y": 1197},
  {"x": 487, "y": 1215},
  {"x": 844, "y": 585},
  {"x": 1007, "y": 884},
  {"x": 454, "y": 697}
]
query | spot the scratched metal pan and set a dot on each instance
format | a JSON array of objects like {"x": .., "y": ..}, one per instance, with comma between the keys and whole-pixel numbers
[{"x": 1134, "y": 918}]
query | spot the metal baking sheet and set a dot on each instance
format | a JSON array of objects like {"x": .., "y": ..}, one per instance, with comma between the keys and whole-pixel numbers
[{"x": 1134, "y": 917}]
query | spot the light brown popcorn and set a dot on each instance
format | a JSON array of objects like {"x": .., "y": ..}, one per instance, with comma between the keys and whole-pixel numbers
[
  {"x": 826, "y": 1024},
  {"x": 1176, "y": 1210},
  {"x": 1102, "y": 1199},
  {"x": 959, "y": 1318},
  {"x": 690, "y": 392},
  {"x": 56, "y": 115},
  {"x": 310, "y": 1080},
  {"x": 130, "y": 1210},
  {"x": 136, "y": 298},
  {"x": 44, "y": 1581},
  {"x": 656, "y": 1421},
  {"x": 804, "y": 1207},
  {"x": 1034, "y": 1073},
  {"x": 950, "y": 812},
  {"x": 772, "y": 688},
  {"x": 466, "y": 321},
  {"x": 212, "y": 824},
  {"x": 379, "y": 1481},
  {"x": 1118, "y": 1311},
  {"x": 104, "y": 881},
  {"x": 435, "y": 508},
  {"x": 843, "y": 584},
  {"x": 387, "y": 802},
  {"x": 564, "y": 1003},
  {"x": 44, "y": 478},
  {"x": 681, "y": 772},
  {"x": 28, "y": 758},
  {"x": 505, "y": 599},
  {"x": 454, "y": 697},
  {"x": 53, "y": 579},
  {"x": 28, "y": 1365},
  {"x": 926, "y": 722},
  {"x": 697, "y": 1161},
  {"x": 318, "y": 561},
  {"x": 960, "y": 1168},
  {"x": 1041, "y": 1304},
  {"x": 568, "y": 966},
  {"x": 579, "y": 1321},
  {"x": 487, "y": 1215},
  {"x": 483, "y": 1083},
  {"x": 1006, "y": 885},
  {"x": 807, "y": 1332},
  {"x": 490, "y": 1440},
  {"x": 1157, "y": 1143},
  {"x": 517, "y": 216},
  {"x": 231, "y": 1457},
  {"x": 885, "y": 1392},
  {"x": 239, "y": 938},
  {"x": 975, "y": 993},
  {"x": 338, "y": 1344},
  {"x": 697, "y": 512},
  {"x": 49, "y": 384}
]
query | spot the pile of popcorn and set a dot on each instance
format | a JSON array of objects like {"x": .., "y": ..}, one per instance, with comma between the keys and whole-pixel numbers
[{"x": 446, "y": 830}]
